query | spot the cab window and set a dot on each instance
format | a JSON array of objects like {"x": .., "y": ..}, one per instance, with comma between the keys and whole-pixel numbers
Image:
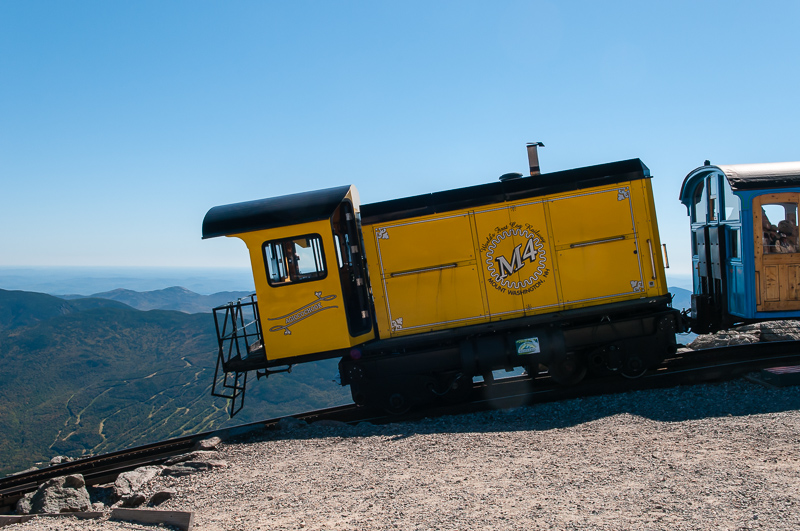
[{"x": 292, "y": 260}]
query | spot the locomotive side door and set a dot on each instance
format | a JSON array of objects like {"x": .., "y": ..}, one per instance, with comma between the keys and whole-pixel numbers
[
  {"x": 352, "y": 269},
  {"x": 777, "y": 260}
]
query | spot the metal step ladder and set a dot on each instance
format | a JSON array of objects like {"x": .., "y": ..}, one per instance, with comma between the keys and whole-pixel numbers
[{"x": 241, "y": 349}]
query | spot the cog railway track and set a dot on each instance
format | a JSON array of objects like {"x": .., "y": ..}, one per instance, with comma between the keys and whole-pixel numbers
[{"x": 684, "y": 368}]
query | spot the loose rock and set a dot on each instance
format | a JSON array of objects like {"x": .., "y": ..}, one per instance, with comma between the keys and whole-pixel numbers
[
  {"x": 186, "y": 468},
  {"x": 129, "y": 482},
  {"x": 208, "y": 444},
  {"x": 61, "y": 495},
  {"x": 24, "y": 504},
  {"x": 161, "y": 496},
  {"x": 200, "y": 455},
  {"x": 133, "y": 500}
]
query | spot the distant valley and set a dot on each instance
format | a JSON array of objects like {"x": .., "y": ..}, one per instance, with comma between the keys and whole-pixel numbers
[{"x": 94, "y": 375}]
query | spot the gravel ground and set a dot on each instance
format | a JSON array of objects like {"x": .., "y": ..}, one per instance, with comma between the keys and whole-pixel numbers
[{"x": 720, "y": 456}]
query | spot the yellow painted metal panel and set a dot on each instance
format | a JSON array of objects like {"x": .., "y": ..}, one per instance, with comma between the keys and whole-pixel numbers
[
  {"x": 652, "y": 259},
  {"x": 538, "y": 281},
  {"x": 591, "y": 216},
  {"x": 428, "y": 277},
  {"x": 603, "y": 270},
  {"x": 496, "y": 243},
  {"x": 425, "y": 243},
  {"x": 559, "y": 252},
  {"x": 598, "y": 254},
  {"x": 434, "y": 299},
  {"x": 384, "y": 328}
]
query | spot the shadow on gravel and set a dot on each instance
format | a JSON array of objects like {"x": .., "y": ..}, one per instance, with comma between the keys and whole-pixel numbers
[{"x": 735, "y": 398}]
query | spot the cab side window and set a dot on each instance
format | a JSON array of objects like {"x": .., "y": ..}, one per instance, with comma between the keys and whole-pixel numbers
[{"x": 292, "y": 260}]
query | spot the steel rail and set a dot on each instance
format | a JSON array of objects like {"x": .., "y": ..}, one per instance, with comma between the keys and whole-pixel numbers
[
  {"x": 103, "y": 468},
  {"x": 691, "y": 367}
]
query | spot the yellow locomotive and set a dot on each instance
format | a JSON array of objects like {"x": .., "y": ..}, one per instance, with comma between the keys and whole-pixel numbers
[{"x": 418, "y": 295}]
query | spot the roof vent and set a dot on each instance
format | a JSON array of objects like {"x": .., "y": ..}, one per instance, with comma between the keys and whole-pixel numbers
[
  {"x": 533, "y": 157},
  {"x": 510, "y": 176}
]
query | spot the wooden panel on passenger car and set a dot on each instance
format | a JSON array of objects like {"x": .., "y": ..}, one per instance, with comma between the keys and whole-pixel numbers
[
  {"x": 772, "y": 285},
  {"x": 792, "y": 293}
]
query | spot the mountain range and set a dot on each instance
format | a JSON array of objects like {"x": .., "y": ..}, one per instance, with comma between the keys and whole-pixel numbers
[
  {"x": 94, "y": 375},
  {"x": 174, "y": 298}
]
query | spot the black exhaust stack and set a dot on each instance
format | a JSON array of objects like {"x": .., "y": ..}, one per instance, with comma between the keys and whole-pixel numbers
[{"x": 533, "y": 157}]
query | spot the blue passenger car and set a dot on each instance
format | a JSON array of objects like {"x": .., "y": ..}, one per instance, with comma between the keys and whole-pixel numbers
[{"x": 745, "y": 259}]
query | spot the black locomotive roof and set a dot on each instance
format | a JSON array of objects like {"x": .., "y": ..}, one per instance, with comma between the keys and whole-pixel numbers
[
  {"x": 273, "y": 212},
  {"x": 522, "y": 188},
  {"x": 320, "y": 204}
]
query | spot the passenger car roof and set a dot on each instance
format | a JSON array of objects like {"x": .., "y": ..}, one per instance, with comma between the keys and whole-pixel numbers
[
  {"x": 762, "y": 176},
  {"x": 765, "y": 175}
]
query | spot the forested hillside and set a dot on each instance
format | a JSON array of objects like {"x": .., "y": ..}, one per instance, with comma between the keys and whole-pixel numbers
[{"x": 93, "y": 376}]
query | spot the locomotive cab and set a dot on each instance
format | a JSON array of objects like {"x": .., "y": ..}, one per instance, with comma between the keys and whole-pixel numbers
[
  {"x": 745, "y": 259},
  {"x": 312, "y": 297}
]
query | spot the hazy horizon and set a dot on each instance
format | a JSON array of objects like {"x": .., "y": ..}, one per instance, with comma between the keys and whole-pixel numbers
[
  {"x": 88, "y": 280},
  {"x": 85, "y": 280}
]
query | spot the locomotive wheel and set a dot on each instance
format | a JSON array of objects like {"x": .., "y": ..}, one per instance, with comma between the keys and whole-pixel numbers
[
  {"x": 397, "y": 396},
  {"x": 397, "y": 403},
  {"x": 568, "y": 370},
  {"x": 633, "y": 367}
]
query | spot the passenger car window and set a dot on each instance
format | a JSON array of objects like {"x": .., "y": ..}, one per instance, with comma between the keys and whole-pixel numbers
[
  {"x": 298, "y": 259},
  {"x": 779, "y": 226},
  {"x": 732, "y": 203},
  {"x": 713, "y": 198},
  {"x": 734, "y": 243},
  {"x": 700, "y": 204}
]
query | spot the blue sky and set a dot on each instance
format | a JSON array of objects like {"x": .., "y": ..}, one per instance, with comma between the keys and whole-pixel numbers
[{"x": 122, "y": 123}]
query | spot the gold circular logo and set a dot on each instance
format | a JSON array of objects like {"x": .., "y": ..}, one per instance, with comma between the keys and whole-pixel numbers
[{"x": 528, "y": 258}]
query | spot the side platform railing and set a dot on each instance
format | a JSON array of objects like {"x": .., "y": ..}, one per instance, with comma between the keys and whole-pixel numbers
[{"x": 241, "y": 349}]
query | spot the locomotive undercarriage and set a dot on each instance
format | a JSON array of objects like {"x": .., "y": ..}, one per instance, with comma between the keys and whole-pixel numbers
[
  {"x": 626, "y": 339},
  {"x": 395, "y": 374}
]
